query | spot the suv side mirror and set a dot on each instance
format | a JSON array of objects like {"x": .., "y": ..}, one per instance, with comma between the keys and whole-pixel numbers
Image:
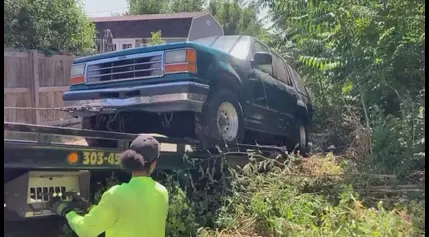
[{"x": 261, "y": 58}]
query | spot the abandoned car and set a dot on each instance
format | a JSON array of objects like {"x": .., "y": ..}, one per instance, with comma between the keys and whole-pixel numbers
[{"x": 231, "y": 89}]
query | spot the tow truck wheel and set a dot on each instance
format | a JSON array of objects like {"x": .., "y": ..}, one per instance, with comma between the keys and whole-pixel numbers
[{"x": 222, "y": 118}]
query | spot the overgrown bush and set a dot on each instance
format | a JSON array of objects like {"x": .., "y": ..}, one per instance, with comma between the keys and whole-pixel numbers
[
  {"x": 364, "y": 64},
  {"x": 312, "y": 197},
  {"x": 398, "y": 141},
  {"x": 278, "y": 204}
]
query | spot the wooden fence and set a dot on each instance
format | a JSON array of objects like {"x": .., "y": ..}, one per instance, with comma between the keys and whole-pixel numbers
[{"x": 33, "y": 87}]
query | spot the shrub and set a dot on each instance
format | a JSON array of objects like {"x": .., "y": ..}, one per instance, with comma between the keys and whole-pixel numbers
[
  {"x": 303, "y": 198},
  {"x": 277, "y": 204}
]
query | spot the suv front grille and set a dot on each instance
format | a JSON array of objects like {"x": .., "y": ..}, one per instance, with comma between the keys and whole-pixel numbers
[{"x": 136, "y": 68}]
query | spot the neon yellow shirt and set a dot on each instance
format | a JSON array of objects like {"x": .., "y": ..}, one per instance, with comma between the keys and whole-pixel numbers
[{"x": 135, "y": 209}]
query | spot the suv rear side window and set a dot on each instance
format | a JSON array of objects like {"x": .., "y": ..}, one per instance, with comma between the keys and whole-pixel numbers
[
  {"x": 281, "y": 70},
  {"x": 258, "y": 47}
]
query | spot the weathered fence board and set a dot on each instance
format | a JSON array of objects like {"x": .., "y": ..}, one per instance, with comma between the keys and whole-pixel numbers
[{"x": 33, "y": 87}]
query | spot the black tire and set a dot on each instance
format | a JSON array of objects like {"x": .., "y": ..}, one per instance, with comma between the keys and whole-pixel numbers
[
  {"x": 91, "y": 123},
  {"x": 302, "y": 138},
  {"x": 206, "y": 123}
]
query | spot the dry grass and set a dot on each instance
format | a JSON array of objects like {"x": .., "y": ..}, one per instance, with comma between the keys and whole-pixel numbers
[{"x": 360, "y": 146}]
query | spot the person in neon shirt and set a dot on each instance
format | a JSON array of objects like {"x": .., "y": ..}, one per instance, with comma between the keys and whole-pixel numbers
[{"x": 138, "y": 208}]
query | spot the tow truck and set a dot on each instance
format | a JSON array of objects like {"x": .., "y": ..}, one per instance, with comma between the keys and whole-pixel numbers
[{"x": 37, "y": 163}]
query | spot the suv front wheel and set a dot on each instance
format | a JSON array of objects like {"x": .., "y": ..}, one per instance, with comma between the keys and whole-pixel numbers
[
  {"x": 221, "y": 120},
  {"x": 97, "y": 123}
]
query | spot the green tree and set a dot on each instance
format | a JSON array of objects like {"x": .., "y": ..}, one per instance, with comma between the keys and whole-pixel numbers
[
  {"x": 141, "y": 7},
  {"x": 48, "y": 25},
  {"x": 185, "y": 6},
  {"x": 237, "y": 17},
  {"x": 366, "y": 57}
]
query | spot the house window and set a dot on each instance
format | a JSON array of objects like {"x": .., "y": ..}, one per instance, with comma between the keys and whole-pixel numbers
[{"x": 127, "y": 46}]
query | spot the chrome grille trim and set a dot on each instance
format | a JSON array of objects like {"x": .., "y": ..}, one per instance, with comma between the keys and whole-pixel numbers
[
  {"x": 125, "y": 65},
  {"x": 135, "y": 66},
  {"x": 117, "y": 73}
]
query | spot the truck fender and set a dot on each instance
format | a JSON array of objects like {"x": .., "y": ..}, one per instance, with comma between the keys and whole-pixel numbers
[
  {"x": 300, "y": 103},
  {"x": 227, "y": 68},
  {"x": 222, "y": 70},
  {"x": 301, "y": 110}
]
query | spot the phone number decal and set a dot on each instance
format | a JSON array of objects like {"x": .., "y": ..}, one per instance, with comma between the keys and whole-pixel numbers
[{"x": 100, "y": 158}]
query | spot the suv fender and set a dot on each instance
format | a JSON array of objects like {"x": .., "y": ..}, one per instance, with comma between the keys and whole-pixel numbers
[
  {"x": 301, "y": 110},
  {"x": 222, "y": 70}
]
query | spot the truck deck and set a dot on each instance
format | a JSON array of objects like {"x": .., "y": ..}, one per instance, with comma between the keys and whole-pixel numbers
[{"x": 45, "y": 153}]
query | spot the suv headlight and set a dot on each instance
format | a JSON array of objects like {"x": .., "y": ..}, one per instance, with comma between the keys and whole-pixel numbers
[
  {"x": 180, "y": 60},
  {"x": 77, "y": 74}
]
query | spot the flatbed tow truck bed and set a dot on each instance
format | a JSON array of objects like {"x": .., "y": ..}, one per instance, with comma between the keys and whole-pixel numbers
[
  {"x": 37, "y": 166},
  {"x": 45, "y": 154}
]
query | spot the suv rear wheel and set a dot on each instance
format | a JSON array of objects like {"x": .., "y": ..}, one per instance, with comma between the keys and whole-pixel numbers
[
  {"x": 222, "y": 119},
  {"x": 303, "y": 139}
]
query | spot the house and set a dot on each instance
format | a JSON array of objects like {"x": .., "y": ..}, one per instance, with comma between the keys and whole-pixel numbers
[{"x": 135, "y": 31}]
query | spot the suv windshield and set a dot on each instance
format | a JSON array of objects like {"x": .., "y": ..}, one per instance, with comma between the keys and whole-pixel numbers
[{"x": 235, "y": 45}]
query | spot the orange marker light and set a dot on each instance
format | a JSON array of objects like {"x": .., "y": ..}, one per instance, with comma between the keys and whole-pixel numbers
[
  {"x": 72, "y": 157},
  {"x": 191, "y": 56},
  {"x": 180, "y": 67},
  {"x": 77, "y": 80}
]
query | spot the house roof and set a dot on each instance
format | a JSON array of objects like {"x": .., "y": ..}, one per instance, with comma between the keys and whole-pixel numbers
[
  {"x": 180, "y": 15},
  {"x": 141, "y": 26}
]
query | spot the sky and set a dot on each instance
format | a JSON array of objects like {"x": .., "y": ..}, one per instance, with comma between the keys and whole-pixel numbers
[{"x": 95, "y": 8}]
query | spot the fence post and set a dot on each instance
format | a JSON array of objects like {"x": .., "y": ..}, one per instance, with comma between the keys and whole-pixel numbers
[{"x": 34, "y": 79}]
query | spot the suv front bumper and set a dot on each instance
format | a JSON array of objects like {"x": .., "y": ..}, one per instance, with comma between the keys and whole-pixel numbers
[{"x": 165, "y": 97}]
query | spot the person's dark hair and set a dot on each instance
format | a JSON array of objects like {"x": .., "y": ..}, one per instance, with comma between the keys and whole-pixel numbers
[
  {"x": 134, "y": 158},
  {"x": 132, "y": 161}
]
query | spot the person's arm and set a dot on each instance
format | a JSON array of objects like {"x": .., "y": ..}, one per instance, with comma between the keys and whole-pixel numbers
[{"x": 99, "y": 218}]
